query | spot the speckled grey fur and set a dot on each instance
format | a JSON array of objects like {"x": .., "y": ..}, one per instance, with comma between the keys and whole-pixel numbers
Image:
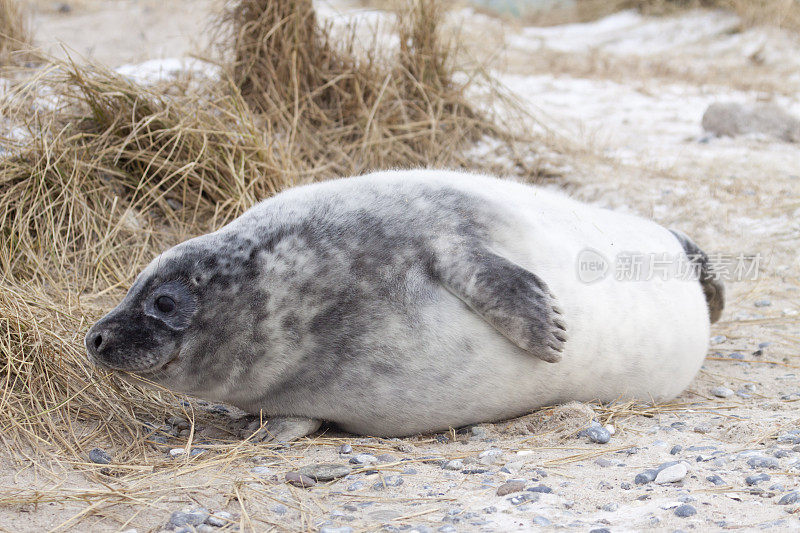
[{"x": 388, "y": 304}]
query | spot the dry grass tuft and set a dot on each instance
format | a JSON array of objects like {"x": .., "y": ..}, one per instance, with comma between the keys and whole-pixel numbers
[
  {"x": 346, "y": 113},
  {"x": 15, "y": 31}
]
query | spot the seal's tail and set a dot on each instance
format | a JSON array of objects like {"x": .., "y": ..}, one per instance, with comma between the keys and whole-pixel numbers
[{"x": 713, "y": 289}]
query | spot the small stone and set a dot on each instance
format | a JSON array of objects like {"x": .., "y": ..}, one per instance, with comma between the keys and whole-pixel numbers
[
  {"x": 299, "y": 480},
  {"x": 345, "y": 449},
  {"x": 388, "y": 481},
  {"x": 386, "y": 458},
  {"x": 645, "y": 477},
  {"x": 219, "y": 519},
  {"x": 611, "y": 507},
  {"x": 262, "y": 471},
  {"x": 324, "y": 471},
  {"x": 358, "y": 485},
  {"x": 600, "y": 435},
  {"x": 736, "y": 355},
  {"x": 510, "y": 487},
  {"x": 600, "y": 530},
  {"x": 718, "y": 339},
  {"x": 478, "y": 432},
  {"x": 762, "y": 303},
  {"x": 474, "y": 470},
  {"x": 780, "y": 454},
  {"x": 177, "y": 452},
  {"x": 455, "y": 464},
  {"x": 676, "y": 449},
  {"x": 685, "y": 511},
  {"x": 789, "y": 498},
  {"x": 625, "y": 485},
  {"x": 763, "y": 462},
  {"x": 702, "y": 429},
  {"x": 721, "y": 392},
  {"x": 671, "y": 474},
  {"x": 526, "y": 497},
  {"x": 96, "y": 455},
  {"x": 188, "y": 517},
  {"x": 716, "y": 480},
  {"x": 756, "y": 479},
  {"x": 542, "y": 489},
  {"x": 603, "y": 463},
  {"x": 363, "y": 459},
  {"x": 333, "y": 529},
  {"x": 541, "y": 521}
]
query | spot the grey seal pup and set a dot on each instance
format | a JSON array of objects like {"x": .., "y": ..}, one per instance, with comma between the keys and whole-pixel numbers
[{"x": 413, "y": 301}]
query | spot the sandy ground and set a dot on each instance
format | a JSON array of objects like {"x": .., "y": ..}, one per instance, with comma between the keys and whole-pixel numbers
[{"x": 624, "y": 97}]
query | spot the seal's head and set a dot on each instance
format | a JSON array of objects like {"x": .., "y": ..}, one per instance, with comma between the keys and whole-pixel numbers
[{"x": 180, "y": 311}]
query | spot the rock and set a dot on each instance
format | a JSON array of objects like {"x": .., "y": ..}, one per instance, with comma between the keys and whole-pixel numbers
[
  {"x": 760, "y": 461},
  {"x": 716, "y": 480},
  {"x": 478, "y": 432},
  {"x": 542, "y": 489},
  {"x": 645, "y": 477},
  {"x": 721, "y": 392},
  {"x": 780, "y": 454},
  {"x": 219, "y": 519},
  {"x": 299, "y": 480},
  {"x": 604, "y": 463},
  {"x": 188, "y": 517},
  {"x": 345, "y": 449},
  {"x": 474, "y": 470},
  {"x": 676, "y": 449},
  {"x": 386, "y": 458},
  {"x": 756, "y": 479},
  {"x": 177, "y": 452},
  {"x": 702, "y": 429},
  {"x": 358, "y": 485},
  {"x": 763, "y": 303},
  {"x": 490, "y": 456},
  {"x": 526, "y": 497},
  {"x": 262, "y": 471},
  {"x": 610, "y": 507},
  {"x": 789, "y": 498},
  {"x": 510, "y": 487},
  {"x": 598, "y": 434},
  {"x": 685, "y": 510},
  {"x": 388, "y": 481},
  {"x": 718, "y": 339},
  {"x": 332, "y": 529},
  {"x": 455, "y": 464},
  {"x": 735, "y": 119},
  {"x": 96, "y": 455},
  {"x": 324, "y": 471},
  {"x": 541, "y": 521},
  {"x": 363, "y": 459},
  {"x": 671, "y": 474}
]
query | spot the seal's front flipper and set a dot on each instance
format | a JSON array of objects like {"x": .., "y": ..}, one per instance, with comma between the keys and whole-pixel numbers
[
  {"x": 286, "y": 429},
  {"x": 513, "y": 300}
]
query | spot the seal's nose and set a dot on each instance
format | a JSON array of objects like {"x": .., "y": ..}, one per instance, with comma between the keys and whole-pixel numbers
[{"x": 96, "y": 340}]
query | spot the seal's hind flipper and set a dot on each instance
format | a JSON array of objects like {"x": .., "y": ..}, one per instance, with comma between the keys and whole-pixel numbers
[
  {"x": 513, "y": 300},
  {"x": 713, "y": 289}
]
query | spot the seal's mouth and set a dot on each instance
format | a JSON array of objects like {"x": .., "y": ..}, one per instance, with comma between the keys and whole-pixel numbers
[{"x": 157, "y": 369}]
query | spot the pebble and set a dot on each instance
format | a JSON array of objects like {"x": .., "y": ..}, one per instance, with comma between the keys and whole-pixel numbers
[
  {"x": 611, "y": 507},
  {"x": 219, "y": 519},
  {"x": 96, "y": 455},
  {"x": 671, "y": 474},
  {"x": 455, "y": 464},
  {"x": 645, "y": 477},
  {"x": 333, "y": 529},
  {"x": 756, "y": 479},
  {"x": 386, "y": 458},
  {"x": 718, "y": 339},
  {"x": 716, "y": 480},
  {"x": 510, "y": 487},
  {"x": 188, "y": 517},
  {"x": 598, "y": 434},
  {"x": 388, "y": 481},
  {"x": 478, "y": 432},
  {"x": 299, "y": 480},
  {"x": 262, "y": 471},
  {"x": 177, "y": 452},
  {"x": 363, "y": 459},
  {"x": 600, "y": 530},
  {"x": 685, "y": 510},
  {"x": 789, "y": 498},
  {"x": 759, "y": 461},
  {"x": 523, "y": 498},
  {"x": 676, "y": 449},
  {"x": 345, "y": 449},
  {"x": 604, "y": 463},
  {"x": 358, "y": 485},
  {"x": 542, "y": 489},
  {"x": 541, "y": 521},
  {"x": 325, "y": 471},
  {"x": 721, "y": 392},
  {"x": 762, "y": 303}
]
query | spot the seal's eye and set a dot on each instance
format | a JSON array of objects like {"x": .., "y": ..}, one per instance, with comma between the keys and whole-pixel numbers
[{"x": 165, "y": 304}]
